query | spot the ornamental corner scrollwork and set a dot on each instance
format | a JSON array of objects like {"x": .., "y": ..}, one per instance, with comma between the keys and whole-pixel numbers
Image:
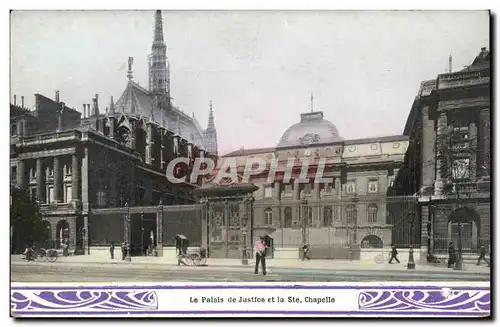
[{"x": 309, "y": 138}]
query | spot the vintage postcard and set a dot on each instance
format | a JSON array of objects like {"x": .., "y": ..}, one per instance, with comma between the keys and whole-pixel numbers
[{"x": 250, "y": 163}]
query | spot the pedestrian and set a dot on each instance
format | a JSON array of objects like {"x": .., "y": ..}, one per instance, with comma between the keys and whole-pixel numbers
[
  {"x": 65, "y": 248},
  {"x": 260, "y": 256},
  {"x": 482, "y": 255},
  {"x": 305, "y": 252},
  {"x": 124, "y": 250},
  {"x": 112, "y": 250},
  {"x": 451, "y": 255},
  {"x": 394, "y": 254}
]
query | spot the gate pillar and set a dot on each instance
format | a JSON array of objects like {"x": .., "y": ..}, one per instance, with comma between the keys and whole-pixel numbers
[{"x": 159, "y": 230}]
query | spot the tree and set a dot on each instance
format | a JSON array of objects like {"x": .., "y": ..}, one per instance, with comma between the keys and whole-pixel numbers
[{"x": 26, "y": 223}]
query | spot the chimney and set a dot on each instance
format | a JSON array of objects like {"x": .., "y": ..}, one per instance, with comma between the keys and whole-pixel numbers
[
  {"x": 483, "y": 49},
  {"x": 15, "y": 99},
  {"x": 84, "y": 111},
  {"x": 57, "y": 96},
  {"x": 22, "y": 101}
]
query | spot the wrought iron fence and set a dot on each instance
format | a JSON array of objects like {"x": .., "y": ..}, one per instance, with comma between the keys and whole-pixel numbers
[{"x": 341, "y": 226}]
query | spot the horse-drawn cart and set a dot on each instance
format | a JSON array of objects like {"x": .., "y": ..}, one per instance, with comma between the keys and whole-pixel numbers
[{"x": 190, "y": 257}]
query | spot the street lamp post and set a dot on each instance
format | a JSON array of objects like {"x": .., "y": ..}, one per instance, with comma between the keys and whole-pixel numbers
[
  {"x": 411, "y": 261},
  {"x": 459, "y": 263},
  {"x": 304, "y": 219},
  {"x": 142, "y": 233},
  {"x": 127, "y": 231}
]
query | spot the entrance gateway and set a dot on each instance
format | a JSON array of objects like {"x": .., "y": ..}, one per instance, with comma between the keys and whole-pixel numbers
[{"x": 222, "y": 222}]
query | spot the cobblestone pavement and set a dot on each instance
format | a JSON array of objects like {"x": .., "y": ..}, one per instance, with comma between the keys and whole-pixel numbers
[{"x": 336, "y": 265}]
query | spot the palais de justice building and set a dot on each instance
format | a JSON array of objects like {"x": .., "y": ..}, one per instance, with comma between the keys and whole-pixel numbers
[{"x": 336, "y": 219}]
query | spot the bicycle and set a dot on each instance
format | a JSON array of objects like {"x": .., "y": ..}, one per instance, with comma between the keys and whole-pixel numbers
[{"x": 382, "y": 257}]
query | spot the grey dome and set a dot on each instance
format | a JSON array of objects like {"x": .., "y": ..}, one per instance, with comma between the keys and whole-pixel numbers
[{"x": 312, "y": 129}]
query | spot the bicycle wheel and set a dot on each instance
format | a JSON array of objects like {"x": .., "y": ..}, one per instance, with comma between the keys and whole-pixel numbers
[
  {"x": 379, "y": 258},
  {"x": 196, "y": 260},
  {"x": 53, "y": 256}
]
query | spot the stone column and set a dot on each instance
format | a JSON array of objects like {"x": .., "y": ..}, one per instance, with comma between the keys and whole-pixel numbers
[
  {"x": 315, "y": 207},
  {"x": 338, "y": 186},
  {"x": 58, "y": 180},
  {"x": 277, "y": 190},
  {"x": 441, "y": 131},
  {"x": 473, "y": 144},
  {"x": 40, "y": 181},
  {"x": 21, "y": 174},
  {"x": 85, "y": 180},
  {"x": 75, "y": 175},
  {"x": 427, "y": 148},
  {"x": 484, "y": 146}
]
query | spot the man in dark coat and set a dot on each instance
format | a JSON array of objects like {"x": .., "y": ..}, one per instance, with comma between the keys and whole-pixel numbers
[
  {"x": 124, "y": 250},
  {"x": 305, "y": 252},
  {"x": 451, "y": 255},
  {"x": 260, "y": 256},
  {"x": 394, "y": 254},
  {"x": 112, "y": 250},
  {"x": 482, "y": 255}
]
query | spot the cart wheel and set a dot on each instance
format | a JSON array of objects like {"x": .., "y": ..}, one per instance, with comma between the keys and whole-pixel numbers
[
  {"x": 203, "y": 261},
  {"x": 196, "y": 260}
]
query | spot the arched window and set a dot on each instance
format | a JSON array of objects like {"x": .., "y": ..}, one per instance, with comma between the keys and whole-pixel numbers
[
  {"x": 351, "y": 214},
  {"x": 268, "y": 216},
  {"x": 327, "y": 216},
  {"x": 372, "y": 213},
  {"x": 288, "y": 217}
]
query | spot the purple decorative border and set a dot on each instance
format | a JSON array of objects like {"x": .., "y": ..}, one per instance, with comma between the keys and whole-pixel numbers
[{"x": 143, "y": 300}]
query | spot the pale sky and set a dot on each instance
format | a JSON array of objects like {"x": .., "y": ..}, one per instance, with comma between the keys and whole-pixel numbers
[{"x": 258, "y": 67}]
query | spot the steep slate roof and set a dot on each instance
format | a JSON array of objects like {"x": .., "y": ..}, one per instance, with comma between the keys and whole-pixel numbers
[{"x": 136, "y": 100}]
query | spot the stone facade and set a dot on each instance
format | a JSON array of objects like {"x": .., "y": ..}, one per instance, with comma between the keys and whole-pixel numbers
[
  {"x": 454, "y": 107},
  {"x": 339, "y": 214}
]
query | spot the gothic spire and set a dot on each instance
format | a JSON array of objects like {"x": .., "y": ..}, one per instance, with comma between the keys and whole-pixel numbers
[
  {"x": 211, "y": 123},
  {"x": 129, "y": 71},
  {"x": 158, "y": 27},
  {"x": 159, "y": 80}
]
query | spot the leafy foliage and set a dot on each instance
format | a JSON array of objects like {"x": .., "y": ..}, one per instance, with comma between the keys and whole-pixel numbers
[{"x": 26, "y": 222}]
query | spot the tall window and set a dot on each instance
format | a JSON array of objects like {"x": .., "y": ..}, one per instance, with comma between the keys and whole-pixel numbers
[
  {"x": 372, "y": 213},
  {"x": 351, "y": 187},
  {"x": 13, "y": 129},
  {"x": 13, "y": 174},
  {"x": 68, "y": 194},
  {"x": 373, "y": 186},
  {"x": 51, "y": 195},
  {"x": 467, "y": 239},
  {"x": 268, "y": 191},
  {"x": 351, "y": 214},
  {"x": 327, "y": 216},
  {"x": 268, "y": 217},
  {"x": 288, "y": 217}
]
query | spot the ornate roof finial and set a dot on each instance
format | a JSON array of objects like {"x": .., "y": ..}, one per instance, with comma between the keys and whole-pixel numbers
[
  {"x": 129, "y": 72},
  {"x": 111, "y": 106},
  {"x": 312, "y": 102}
]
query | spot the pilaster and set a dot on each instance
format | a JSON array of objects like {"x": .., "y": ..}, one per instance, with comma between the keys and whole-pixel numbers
[
  {"x": 21, "y": 174},
  {"x": 442, "y": 127},
  {"x": 75, "y": 177},
  {"x": 58, "y": 180},
  {"x": 40, "y": 181}
]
